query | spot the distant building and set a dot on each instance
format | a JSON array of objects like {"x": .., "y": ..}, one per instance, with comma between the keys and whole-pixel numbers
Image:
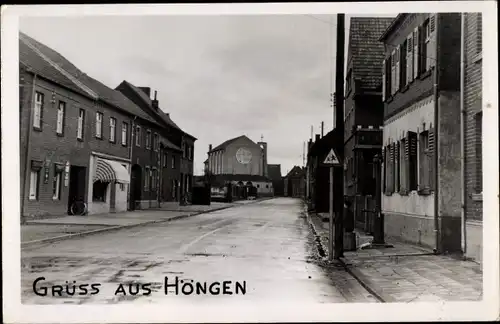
[
  {"x": 364, "y": 110},
  {"x": 412, "y": 210},
  {"x": 277, "y": 179},
  {"x": 242, "y": 164},
  {"x": 295, "y": 182}
]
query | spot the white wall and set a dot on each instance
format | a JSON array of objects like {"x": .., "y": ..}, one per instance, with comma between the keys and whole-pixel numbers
[{"x": 414, "y": 119}]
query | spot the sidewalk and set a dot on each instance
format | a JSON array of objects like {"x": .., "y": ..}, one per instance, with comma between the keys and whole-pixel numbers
[
  {"x": 407, "y": 273},
  {"x": 55, "y": 229}
]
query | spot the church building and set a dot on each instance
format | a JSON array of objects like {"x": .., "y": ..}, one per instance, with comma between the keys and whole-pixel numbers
[{"x": 239, "y": 169}]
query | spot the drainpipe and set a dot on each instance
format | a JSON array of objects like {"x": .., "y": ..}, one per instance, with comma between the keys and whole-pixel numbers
[
  {"x": 436, "y": 142},
  {"x": 28, "y": 145},
  {"x": 462, "y": 132},
  {"x": 131, "y": 150}
]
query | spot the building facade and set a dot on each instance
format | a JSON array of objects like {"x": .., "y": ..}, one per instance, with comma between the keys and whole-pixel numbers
[
  {"x": 295, "y": 183},
  {"x": 72, "y": 149},
  {"x": 277, "y": 179},
  {"x": 472, "y": 106},
  {"x": 421, "y": 135},
  {"x": 245, "y": 162},
  {"x": 175, "y": 152},
  {"x": 364, "y": 111}
]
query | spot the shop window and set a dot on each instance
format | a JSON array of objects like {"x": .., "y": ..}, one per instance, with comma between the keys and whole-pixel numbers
[{"x": 99, "y": 190}]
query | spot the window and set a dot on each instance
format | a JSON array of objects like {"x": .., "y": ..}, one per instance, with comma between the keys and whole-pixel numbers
[
  {"x": 138, "y": 136},
  {"x": 258, "y": 186},
  {"x": 81, "y": 124},
  {"x": 397, "y": 58},
  {"x": 146, "y": 179},
  {"x": 38, "y": 112},
  {"x": 98, "y": 125},
  {"x": 189, "y": 153},
  {"x": 417, "y": 52},
  {"x": 403, "y": 66},
  {"x": 393, "y": 72},
  {"x": 409, "y": 58},
  {"x": 56, "y": 186},
  {"x": 153, "y": 178},
  {"x": 99, "y": 190},
  {"x": 173, "y": 162},
  {"x": 165, "y": 156},
  {"x": 478, "y": 118},
  {"x": 410, "y": 163},
  {"x": 61, "y": 110},
  {"x": 112, "y": 129},
  {"x": 267, "y": 186},
  {"x": 34, "y": 177},
  {"x": 124, "y": 133},
  {"x": 148, "y": 139},
  {"x": 348, "y": 82},
  {"x": 156, "y": 143},
  {"x": 479, "y": 37},
  {"x": 402, "y": 169}
]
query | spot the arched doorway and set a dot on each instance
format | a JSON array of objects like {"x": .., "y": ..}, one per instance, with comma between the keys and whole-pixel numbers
[{"x": 135, "y": 186}]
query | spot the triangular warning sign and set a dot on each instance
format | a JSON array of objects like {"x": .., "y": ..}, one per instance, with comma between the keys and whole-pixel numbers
[{"x": 331, "y": 158}]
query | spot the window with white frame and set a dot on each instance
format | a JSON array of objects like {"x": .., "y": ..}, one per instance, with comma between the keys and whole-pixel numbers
[
  {"x": 38, "y": 111},
  {"x": 173, "y": 162},
  {"x": 57, "y": 184},
  {"x": 153, "y": 179},
  {"x": 34, "y": 178},
  {"x": 138, "y": 136},
  {"x": 98, "y": 124},
  {"x": 81, "y": 123},
  {"x": 124, "y": 133},
  {"x": 112, "y": 129},
  {"x": 61, "y": 111}
]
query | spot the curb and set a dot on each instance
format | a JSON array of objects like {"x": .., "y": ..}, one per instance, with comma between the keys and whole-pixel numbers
[
  {"x": 356, "y": 274},
  {"x": 114, "y": 228}
]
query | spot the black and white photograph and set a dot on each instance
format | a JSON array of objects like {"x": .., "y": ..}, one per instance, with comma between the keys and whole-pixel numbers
[{"x": 250, "y": 162}]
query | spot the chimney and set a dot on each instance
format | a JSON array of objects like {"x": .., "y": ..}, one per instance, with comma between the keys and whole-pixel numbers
[
  {"x": 317, "y": 137},
  {"x": 209, "y": 147},
  {"x": 322, "y": 128},
  {"x": 154, "y": 102},
  {"x": 146, "y": 90}
]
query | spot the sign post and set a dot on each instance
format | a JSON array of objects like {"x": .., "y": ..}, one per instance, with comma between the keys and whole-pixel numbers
[{"x": 332, "y": 161}]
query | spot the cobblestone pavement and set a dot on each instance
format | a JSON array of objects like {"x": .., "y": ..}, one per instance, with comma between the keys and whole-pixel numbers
[
  {"x": 407, "y": 273},
  {"x": 268, "y": 245}
]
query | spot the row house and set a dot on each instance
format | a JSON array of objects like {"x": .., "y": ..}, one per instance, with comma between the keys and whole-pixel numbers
[
  {"x": 364, "y": 112},
  {"x": 421, "y": 135},
  {"x": 295, "y": 182},
  {"x": 471, "y": 103},
  {"x": 175, "y": 150},
  {"x": 74, "y": 136}
]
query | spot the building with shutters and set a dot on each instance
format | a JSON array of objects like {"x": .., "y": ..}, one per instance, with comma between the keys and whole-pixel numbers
[
  {"x": 421, "y": 130},
  {"x": 364, "y": 111},
  {"x": 162, "y": 153},
  {"x": 472, "y": 133},
  {"x": 75, "y": 136},
  {"x": 242, "y": 163}
]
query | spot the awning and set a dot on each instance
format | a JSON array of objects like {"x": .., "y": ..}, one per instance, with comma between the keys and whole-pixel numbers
[{"x": 107, "y": 171}]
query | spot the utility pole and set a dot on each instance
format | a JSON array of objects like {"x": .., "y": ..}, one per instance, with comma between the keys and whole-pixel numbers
[
  {"x": 339, "y": 122},
  {"x": 322, "y": 128}
]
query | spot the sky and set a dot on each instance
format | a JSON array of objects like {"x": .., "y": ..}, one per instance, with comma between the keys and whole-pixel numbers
[{"x": 219, "y": 77}]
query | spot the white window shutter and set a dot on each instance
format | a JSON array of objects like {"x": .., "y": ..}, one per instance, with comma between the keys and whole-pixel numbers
[
  {"x": 383, "y": 79},
  {"x": 409, "y": 59},
  {"x": 398, "y": 65},
  {"x": 393, "y": 77},
  {"x": 431, "y": 46},
  {"x": 416, "y": 52},
  {"x": 36, "y": 115}
]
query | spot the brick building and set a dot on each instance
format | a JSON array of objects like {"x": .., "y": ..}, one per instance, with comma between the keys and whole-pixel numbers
[
  {"x": 277, "y": 179},
  {"x": 295, "y": 182},
  {"x": 472, "y": 105},
  {"x": 71, "y": 147},
  {"x": 159, "y": 166},
  {"x": 421, "y": 123},
  {"x": 364, "y": 110}
]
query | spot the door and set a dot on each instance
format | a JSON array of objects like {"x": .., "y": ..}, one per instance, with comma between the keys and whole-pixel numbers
[
  {"x": 76, "y": 190},
  {"x": 135, "y": 186}
]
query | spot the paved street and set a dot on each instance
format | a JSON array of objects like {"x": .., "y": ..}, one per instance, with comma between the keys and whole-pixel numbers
[{"x": 267, "y": 247}]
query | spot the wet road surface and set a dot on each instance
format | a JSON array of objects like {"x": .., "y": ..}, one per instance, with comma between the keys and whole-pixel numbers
[{"x": 267, "y": 247}]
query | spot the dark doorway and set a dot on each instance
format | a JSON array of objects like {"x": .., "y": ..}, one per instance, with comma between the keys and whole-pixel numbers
[
  {"x": 135, "y": 186},
  {"x": 76, "y": 191}
]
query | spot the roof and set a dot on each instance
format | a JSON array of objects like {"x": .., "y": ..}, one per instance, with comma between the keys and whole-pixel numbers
[
  {"x": 366, "y": 51},
  {"x": 395, "y": 22},
  {"x": 147, "y": 100},
  {"x": 228, "y": 142},
  {"x": 55, "y": 67},
  {"x": 274, "y": 171},
  {"x": 296, "y": 171},
  {"x": 169, "y": 144},
  {"x": 323, "y": 145}
]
